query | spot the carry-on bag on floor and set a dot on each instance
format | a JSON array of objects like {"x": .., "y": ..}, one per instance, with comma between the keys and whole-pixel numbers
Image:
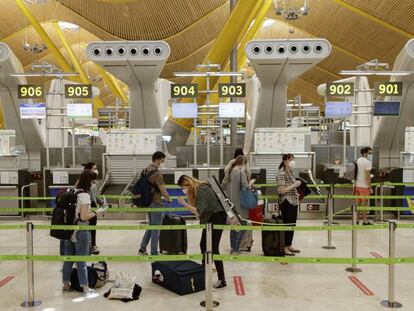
[
  {"x": 273, "y": 242},
  {"x": 247, "y": 241},
  {"x": 180, "y": 277},
  {"x": 173, "y": 241}
]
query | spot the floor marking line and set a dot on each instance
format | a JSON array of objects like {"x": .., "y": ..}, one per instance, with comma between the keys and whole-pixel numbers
[
  {"x": 6, "y": 280},
  {"x": 361, "y": 285},
  {"x": 375, "y": 254},
  {"x": 238, "y": 286}
]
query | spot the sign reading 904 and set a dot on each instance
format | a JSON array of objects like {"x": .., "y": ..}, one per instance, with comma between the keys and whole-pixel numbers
[
  {"x": 388, "y": 89},
  {"x": 340, "y": 89},
  {"x": 184, "y": 90},
  {"x": 27, "y": 91},
  {"x": 232, "y": 89},
  {"x": 78, "y": 91}
]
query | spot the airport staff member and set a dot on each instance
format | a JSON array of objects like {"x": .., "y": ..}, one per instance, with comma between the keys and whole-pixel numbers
[{"x": 363, "y": 181}]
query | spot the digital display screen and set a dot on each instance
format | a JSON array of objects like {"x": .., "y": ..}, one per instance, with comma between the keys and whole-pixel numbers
[
  {"x": 184, "y": 111},
  {"x": 338, "y": 109},
  {"x": 33, "y": 111},
  {"x": 231, "y": 110},
  {"x": 79, "y": 111},
  {"x": 386, "y": 109}
]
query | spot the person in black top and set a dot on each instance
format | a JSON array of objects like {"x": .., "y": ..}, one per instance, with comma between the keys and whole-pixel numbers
[{"x": 202, "y": 201}]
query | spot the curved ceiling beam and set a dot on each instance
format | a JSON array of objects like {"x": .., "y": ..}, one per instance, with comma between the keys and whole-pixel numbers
[{"x": 373, "y": 18}]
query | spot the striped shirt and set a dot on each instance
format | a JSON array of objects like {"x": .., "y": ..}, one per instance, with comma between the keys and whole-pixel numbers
[{"x": 285, "y": 179}]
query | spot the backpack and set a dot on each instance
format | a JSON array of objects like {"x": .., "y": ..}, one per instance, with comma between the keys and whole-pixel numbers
[
  {"x": 351, "y": 171},
  {"x": 142, "y": 193},
  {"x": 64, "y": 213},
  {"x": 98, "y": 275}
]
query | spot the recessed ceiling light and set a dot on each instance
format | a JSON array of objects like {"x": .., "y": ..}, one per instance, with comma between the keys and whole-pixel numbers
[
  {"x": 68, "y": 26},
  {"x": 268, "y": 22}
]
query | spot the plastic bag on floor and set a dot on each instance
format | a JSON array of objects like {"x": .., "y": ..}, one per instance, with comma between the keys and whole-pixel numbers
[{"x": 125, "y": 288}]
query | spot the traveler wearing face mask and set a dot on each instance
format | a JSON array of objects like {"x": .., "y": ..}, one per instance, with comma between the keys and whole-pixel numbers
[
  {"x": 363, "y": 181},
  {"x": 288, "y": 198},
  {"x": 95, "y": 202},
  {"x": 156, "y": 180}
]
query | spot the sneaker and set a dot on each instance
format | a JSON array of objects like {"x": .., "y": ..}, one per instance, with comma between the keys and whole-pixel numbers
[
  {"x": 89, "y": 291},
  {"x": 219, "y": 285},
  {"x": 66, "y": 289},
  {"x": 95, "y": 250},
  {"x": 142, "y": 252},
  {"x": 288, "y": 252}
]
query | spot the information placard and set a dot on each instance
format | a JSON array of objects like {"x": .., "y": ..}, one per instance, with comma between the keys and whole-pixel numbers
[
  {"x": 29, "y": 91},
  {"x": 232, "y": 89},
  {"x": 386, "y": 109},
  {"x": 340, "y": 89},
  {"x": 79, "y": 111},
  {"x": 338, "y": 109},
  {"x": 78, "y": 91},
  {"x": 183, "y": 111},
  {"x": 184, "y": 90},
  {"x": 231, "y": 110},
  {"x": 33, "y": 111},
  {"x": 388, "y": 89}
]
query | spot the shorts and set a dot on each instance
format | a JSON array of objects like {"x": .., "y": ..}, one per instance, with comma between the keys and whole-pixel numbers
[{"x": 362, "y": 191}]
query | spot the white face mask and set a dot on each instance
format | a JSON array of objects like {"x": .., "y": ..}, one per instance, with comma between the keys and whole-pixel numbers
[
  {"x": 292, "y": 164},
  {"x": 162, "y": 165},
  {"x": 369, "y": 157}
]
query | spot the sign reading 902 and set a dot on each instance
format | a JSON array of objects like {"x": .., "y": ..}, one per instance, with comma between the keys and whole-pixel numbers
[
  {"x": 388, "y": 89},
  {"x": 26, "y": 91},
  {"x": 340, "y": 89},
  {"x": 232, "y": 89},
  {"x": 184, "y": 90},
  {"x": 78, "y": 91}
]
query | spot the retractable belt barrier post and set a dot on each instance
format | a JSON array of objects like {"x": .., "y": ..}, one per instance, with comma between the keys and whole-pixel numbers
[
  {"x": 330, "y": 221},
  {"x": 354, "y": 268},
  {"x": 391, "y": 303},
  {"x": 30, "y": 302}
]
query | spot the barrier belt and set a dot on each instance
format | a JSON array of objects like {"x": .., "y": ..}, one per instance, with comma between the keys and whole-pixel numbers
[
  {"x": 315, "y": 260},
  {"x": 109, "y": 210},
  {"x": 119, "y": 227},
  {"x": 385, "y": 209},
  {"x": 405, "y": 226},
  {"x": 115, "y": 258},
  {"x": 386, "y": 197},
  {"x": 281, "y": 227},
  {"x": 12, "y": 227}
]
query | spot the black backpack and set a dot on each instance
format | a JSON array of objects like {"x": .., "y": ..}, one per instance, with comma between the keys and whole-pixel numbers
[
  {"x": 98, "y": 275},
  {"x": 142, "y": 192},
  {"x": 64, "y": 213}
]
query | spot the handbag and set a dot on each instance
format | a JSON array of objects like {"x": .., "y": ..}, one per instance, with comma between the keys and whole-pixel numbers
[{"x": 248, "y": 197}]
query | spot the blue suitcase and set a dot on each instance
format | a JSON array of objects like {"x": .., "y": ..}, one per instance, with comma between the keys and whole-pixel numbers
[{"x": 180, "y": 277}]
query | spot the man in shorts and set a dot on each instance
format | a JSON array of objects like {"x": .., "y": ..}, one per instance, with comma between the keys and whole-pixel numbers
[{"x": 363, "y": 181}]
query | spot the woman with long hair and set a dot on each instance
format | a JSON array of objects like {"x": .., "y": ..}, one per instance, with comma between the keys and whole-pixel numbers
[
  {"x": 203, "y": 202},
  {"x": 288, "y": 198},
  {"x": 234, "y": 180}
]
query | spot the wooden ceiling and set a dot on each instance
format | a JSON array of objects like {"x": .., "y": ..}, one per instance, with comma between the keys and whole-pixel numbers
[{"x": 367, "y": 30}]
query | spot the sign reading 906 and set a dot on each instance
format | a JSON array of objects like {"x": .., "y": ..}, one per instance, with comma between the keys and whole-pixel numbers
[
  {"x": 184, "y": 90},
  {"x": 78, "y": 91},
  {"x": 340, "y": 89},
  {"x": 232, "y": 89},
  {"x": 26, "y": 91}
]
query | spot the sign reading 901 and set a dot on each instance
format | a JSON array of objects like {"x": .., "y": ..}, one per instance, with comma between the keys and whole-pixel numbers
[
  {"x": 26, "y": 91},
  {"x": 388, "y": 89},
  {"x": 340, "y": 89},
  {"x": 78, "y": 91},
  {"x": 184, "y": 90},
  {"x": 232, "y": 89}
]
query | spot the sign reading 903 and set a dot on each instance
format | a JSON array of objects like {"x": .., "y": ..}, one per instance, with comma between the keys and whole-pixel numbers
[
  {"x": 232, "y": 89},
  {"x": 184, "y": 90},
  {"x": 27, "y": 91},
  {"x": 340, "y": 89},
  {"x": 78, "y": 91}
]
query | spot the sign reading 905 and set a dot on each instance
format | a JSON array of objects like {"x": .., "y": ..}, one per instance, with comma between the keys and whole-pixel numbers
[
  {"x": 26, "y": 91},
  {"x": 184, "y": 90},
  {"x": 232, "y": 89},
  {"x": 78, "y": 91},
  {"x": 340, "y": 89},
  {"x": 388, "y": 89}
]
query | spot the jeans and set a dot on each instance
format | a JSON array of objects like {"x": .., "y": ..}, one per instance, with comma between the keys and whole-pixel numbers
[
  {"x": 92, "y": 222},
  {"x": 80, "y": 248},
  {"x": 153, "y": 235},
  {"x": 215, "y": 219},
  {"x": 236, "y": 237},
  {"x": 289, "y": 216}
]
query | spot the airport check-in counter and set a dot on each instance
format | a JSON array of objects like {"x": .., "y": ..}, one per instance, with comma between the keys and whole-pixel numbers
[
  {"x": 58, "y": 179},
  {"x": 14, "y": 183}
]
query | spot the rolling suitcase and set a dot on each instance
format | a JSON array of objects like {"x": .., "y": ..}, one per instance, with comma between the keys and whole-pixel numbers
[
  {"x": 273, "y": 242},
  {"x": 181, "y": 277},
  {"x": 247, "y": 241},
  {"x": 173, "y": 241}
]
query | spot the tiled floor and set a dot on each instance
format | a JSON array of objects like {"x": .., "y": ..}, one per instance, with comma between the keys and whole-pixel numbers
[{"x": 267, "y": 286}]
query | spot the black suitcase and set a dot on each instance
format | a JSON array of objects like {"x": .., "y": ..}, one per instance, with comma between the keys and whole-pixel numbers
[
  {"x": 273, "y": 242},
  {"x": 181, "y": 277},
  {"x": 173, "y": 241}
]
